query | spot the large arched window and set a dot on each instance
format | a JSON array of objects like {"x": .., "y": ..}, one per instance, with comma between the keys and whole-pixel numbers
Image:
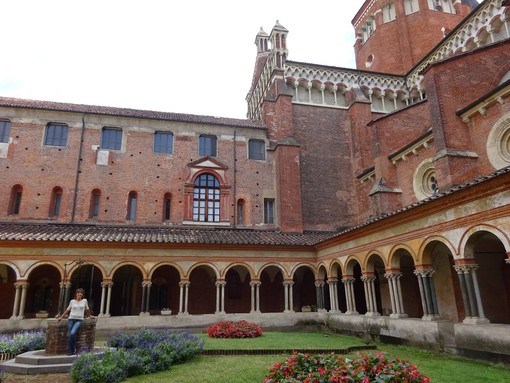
[{"x": 206, "y": 199}]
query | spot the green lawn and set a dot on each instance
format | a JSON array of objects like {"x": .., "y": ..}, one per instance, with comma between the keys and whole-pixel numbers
[{"x": 253, "y": 369}]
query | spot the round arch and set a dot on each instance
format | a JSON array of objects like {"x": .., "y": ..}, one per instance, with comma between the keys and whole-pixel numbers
[
  {"x": 396, "y": 253},
  {"x": 170, "y": 264},
  {"x": 465, "y": 250}
]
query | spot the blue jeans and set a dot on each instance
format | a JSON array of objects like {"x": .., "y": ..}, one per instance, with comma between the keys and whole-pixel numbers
[{"x": 74, "y": 326}]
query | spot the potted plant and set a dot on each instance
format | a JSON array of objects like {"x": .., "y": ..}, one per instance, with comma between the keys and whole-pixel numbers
[{"x": 41, "y": 314}]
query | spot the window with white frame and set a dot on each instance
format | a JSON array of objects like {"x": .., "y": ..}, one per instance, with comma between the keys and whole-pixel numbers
[
  {"x": 442, "y": 6},
  {"x": 389, "y": 13},
  {"x": 269, "y": 210},
  {"x": 411, "y": 6},
  {"x": 367, "y": 29}
]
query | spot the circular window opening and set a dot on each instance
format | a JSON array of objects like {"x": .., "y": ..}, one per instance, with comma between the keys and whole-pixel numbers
[
  {"x": 425, "y": 180},
  {"x": 370, "y": 61},
  {"x": 498, "y": 143}
]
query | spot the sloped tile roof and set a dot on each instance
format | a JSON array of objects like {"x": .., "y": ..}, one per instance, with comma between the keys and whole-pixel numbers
[
  {"x": 126, "y": 112},
  {"x": 12, "y": 231}
]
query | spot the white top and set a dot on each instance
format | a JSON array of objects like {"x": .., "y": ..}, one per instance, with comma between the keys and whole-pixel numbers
[{"x": 77, "y": 308}]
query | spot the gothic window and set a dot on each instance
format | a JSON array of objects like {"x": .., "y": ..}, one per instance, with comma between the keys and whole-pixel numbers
[
  {"x": 442, "y": 6},
  {"x": 131, "y": 211},
  {"x": 411, "y": 6},
  {"x": 56, "y": 135},
  {"x": 15, "y": 200},
  {"x": 269, "y": 210},
  {"x": 207, "y": 145},
  {"x": 111, "y": 138},
  {"x": 256, "y": 150},
  {"x": 206, "y": 199},
  {"x": 163, "y": 142},
  {"x": 5, "y": 130},
  {"x": 368, "y": 28},
  {"x": 389, "y": 12},
  {"x": 56, "y": 201},
  {"x": 95, "y": 199}
]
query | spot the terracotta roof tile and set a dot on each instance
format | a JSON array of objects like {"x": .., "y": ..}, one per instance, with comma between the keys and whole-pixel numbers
[
  {"x": 13, "y": 231},
  {"x": 132, "y": 113}
]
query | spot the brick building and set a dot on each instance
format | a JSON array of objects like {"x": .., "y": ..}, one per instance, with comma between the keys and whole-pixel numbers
[{"x": 378, "y": 195}]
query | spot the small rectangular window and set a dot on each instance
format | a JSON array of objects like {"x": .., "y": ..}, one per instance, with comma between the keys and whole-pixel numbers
[
  {"x": 207, "y": 145},
  {"x": 5, "y": 130},
  {"x": 389, "y": 13},
  {"x": 56, "y": 135},
  {"x": 256, "y": 150},
  {"x": 163, "y": 142},
  {"x": 166, "y": 208},
  {"x": 269, "y": 211},
  {"x": 111, "y": 138}
]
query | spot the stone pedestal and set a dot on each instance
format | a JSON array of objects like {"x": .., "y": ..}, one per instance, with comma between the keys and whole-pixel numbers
[{"x": 56, "y": 338}]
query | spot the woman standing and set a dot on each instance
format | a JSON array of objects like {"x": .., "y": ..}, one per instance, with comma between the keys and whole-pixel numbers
[{"x": 78, "y": 308}]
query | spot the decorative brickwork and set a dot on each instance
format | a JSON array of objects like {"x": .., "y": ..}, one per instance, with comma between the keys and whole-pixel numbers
[{"x": 56, "y": 339}]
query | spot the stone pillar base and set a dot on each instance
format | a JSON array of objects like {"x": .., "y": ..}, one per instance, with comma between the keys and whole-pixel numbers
[
  {"x": 56, "y": 337},
  {"x": 476, "y": 321},
  {"x": 398, "y": 316}
]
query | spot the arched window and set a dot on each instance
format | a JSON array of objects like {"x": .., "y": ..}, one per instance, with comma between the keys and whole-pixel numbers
[
  {"x": 15, "y": 200},
  {"x": 240, "y": 212},
  {"x": 56, "y": 201},
  {"x": 131, "y": 211},
  {"x": 166, "y": 207},
  {"x": 95, "y": 199},
  {"x": 206, "y": 199}
]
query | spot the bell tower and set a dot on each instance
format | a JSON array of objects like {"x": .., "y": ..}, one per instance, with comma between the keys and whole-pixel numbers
[{"x": 392, "y": 36}]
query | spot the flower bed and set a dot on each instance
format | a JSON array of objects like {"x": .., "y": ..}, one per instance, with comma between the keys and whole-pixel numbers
[
  {"x": 143, "y": 352},
  {"x": 230, "y": 329},
  {"x": 366, "y": 368},
  {"x": 20, "y": 342}
]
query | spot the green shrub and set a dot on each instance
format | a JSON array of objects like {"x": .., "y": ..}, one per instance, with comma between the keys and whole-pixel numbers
[
  {"x": 108, "y": 367},
  {"x": 23, "y": 341}
]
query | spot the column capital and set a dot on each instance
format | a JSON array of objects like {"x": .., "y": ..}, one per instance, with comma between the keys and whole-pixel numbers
[
  {"x": 332, "y": 280},
  {"x": 463, "y": 269},
  {"x": 22, "y": 284},
  {"x": 393, "y": 275},
  {"x": 220, "y": 283},
  {"x": 369, "y": 277},
  {"x": 107, "y": 284},
  {"x": 424, "y": 273},
  {"x": 255, "y": 283},
  {"x": 507, "y": 261},
  {"x": 348, "y": 280},
  {"x": 64, "y": 285},
  {"x": 185, "y": 283},
  {"x": 146, "y": 283},
  {"x": 288, "y": 283}
]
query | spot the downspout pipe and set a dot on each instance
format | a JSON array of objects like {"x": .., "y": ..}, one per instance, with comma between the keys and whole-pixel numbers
[{"x": 78, "y": 170}]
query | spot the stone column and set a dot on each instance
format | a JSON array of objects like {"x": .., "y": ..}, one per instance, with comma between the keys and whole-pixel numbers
[
  {"x": 103, "y": 297},
  {"x": 24, "y": 288},
  {"x": 289, "y": 301},
  {"x": 397, "y": 303},
  {"x": 471, "y": 294},
  {"x": 319, "y": 295},
  {"x": 146, "y": 294},
  {"x": 63, "y": 300},
  {"x": 369, "y": 285},
  {"x": 17, "y": 297},
  {"x": 428, "y": 294},
  {"x": 108, "y": 299},
  {"x": 333, "y": 294},
  {"x": 183, "y": 298},
  {"x": 349, "y": 295},
  {"x": 255, "y": 299},
  {"x": 220, "y": 297}
]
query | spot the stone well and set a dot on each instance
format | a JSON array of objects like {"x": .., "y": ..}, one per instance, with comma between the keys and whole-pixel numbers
[{"x": 56, "y": 338}]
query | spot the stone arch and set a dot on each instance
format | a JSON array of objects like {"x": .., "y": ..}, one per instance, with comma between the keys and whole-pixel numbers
[
  {"x": 89, "y": 277},
  {"x": 304, "y": 276},
  {"x": 202, "y": 288},
  {"x": 322, "y": 271},
  {"x": 170, "y": 264},
  {"x": 44, "y": 290},
  {"x": 489, "y": 254},
  {"x": 424, "y": 256},
  {"x": 272, "y": 298},
  {"x": 127, "y": 289},
  {"x": 375, "y": 266},
  {"x": 8, "y": 277},
  {"x": 130, "y": 263},
  {"x": 403, "y": 261},
  {"x": 465, "y": 250},
  {"x": 237, "y": 289},
  {"x": 164, "y": 292},
  {"x": 436, "y": 255}
]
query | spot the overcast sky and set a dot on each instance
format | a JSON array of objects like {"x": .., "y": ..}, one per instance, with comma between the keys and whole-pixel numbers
[{"x": 175, "y": 56}]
